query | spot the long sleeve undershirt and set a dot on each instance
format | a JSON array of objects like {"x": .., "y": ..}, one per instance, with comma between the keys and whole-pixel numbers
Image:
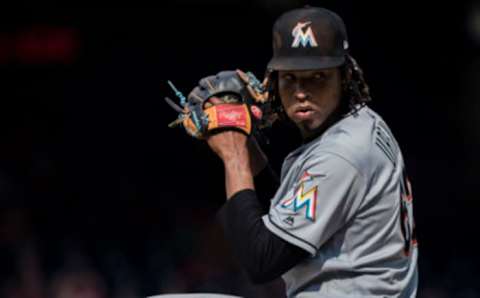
[{"x": 264, "y": 255}]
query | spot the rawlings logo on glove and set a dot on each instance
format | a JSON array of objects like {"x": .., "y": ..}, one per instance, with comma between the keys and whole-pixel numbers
[{"x": 226, "y": 100}]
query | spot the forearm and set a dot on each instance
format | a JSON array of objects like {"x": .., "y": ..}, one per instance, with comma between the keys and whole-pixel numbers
[
  {"x": 264, "y": 255},
  {"x": 238, "y": 174},
  {"x": 266, "y": 184}
]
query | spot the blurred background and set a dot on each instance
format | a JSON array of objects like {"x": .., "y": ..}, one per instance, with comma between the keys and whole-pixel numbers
[{"x": 98, "y": 198}]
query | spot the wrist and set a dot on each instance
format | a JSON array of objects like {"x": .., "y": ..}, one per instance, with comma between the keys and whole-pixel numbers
[
  {"x": 237, "y": 166},
  {"x": 238, "y": 156},
  {"x": 238, "y": 175}
]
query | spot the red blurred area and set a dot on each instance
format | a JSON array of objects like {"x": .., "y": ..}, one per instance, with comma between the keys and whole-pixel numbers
[{"x": 40, "y": 44}]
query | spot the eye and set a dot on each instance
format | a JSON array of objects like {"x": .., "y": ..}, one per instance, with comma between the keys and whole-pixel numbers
[
  {"x": 319, "y": 76},
  {"x": 288, "y": 77}
]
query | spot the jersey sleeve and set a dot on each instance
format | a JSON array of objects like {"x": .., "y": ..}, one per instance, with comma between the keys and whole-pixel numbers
[{"x": 324, "y": 197}]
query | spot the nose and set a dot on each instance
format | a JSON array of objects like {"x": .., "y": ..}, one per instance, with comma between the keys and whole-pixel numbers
[{"x": 300, "y": 94}]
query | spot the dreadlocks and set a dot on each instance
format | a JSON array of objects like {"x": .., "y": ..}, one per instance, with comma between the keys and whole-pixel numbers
[{"x": 355, "y": 90}]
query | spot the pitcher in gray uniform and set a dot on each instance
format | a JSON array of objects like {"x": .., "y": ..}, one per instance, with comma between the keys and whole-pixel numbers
[
  {"x": 340, "y": 223},
  {"x": 343, "y": 198}
]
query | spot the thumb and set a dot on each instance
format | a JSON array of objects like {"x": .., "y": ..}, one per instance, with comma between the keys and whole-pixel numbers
[{"x": 215, "y": 100}]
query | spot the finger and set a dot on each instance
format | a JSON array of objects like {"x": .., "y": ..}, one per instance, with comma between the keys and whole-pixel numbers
[
  {"x": 252, "y": 92},
  {"x": 207, "y": 83},
  {"x": 265, "y": 81},
  {"x": 195, "y": 95},
  {"x": 243, "y": 76},
  {"x": 175, "y": 123},
  {"x": 215, "y": 100},
  {"x": 258, "y": 97},
  {"x": 171, "y": 103},
  {"x": 210, "y": 86},
  {"x": 198, "y": 98}
]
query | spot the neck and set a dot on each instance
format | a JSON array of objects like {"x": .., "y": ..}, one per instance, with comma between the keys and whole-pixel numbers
[{"x": 332, "y": 119}]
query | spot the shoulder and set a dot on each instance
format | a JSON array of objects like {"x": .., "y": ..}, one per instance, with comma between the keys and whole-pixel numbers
[{"x": 352, "y": 139}]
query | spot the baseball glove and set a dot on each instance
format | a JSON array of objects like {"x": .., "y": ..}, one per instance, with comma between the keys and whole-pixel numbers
[{"x": 227, "y": 100}]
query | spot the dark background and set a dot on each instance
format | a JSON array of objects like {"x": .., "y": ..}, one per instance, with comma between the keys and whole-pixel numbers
[{"x": 98, "y": 198}]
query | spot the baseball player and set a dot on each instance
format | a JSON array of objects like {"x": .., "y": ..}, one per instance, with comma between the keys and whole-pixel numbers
[{"x": 340, "y": 223}]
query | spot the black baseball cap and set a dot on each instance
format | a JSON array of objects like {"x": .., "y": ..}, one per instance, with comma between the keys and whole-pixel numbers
[{"x": 308, "y": 38}]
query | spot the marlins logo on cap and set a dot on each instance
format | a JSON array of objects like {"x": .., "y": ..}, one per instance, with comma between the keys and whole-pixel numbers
[{"x": 305, "y": 38}]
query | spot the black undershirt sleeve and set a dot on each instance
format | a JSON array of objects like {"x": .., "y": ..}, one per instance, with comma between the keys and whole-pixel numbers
[
  {"x": 264, "y": 255},
  {"x": 266, "y": 183}
]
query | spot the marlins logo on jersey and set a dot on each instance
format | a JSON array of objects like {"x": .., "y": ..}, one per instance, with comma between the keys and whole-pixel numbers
[
  {"x": 301, "y": 37},
  {"x": 303, "y": 199}
]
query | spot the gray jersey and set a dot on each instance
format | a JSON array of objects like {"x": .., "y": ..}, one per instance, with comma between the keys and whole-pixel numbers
[{"x": 345, "y": 198}]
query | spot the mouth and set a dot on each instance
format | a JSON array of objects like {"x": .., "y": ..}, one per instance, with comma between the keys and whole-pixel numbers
[{"x": 303, "y": 112}]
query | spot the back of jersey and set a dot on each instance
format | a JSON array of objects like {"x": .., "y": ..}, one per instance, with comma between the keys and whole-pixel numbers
[{"x": 381, "y": 236}]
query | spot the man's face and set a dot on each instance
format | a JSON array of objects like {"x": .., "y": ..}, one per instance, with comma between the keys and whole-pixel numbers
[{"x": 309, "y": 96}]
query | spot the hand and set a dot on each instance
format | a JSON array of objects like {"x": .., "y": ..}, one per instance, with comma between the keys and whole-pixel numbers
[
  {"x": 229, "y": 145},
  {"x": 200, "y": 117}
]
